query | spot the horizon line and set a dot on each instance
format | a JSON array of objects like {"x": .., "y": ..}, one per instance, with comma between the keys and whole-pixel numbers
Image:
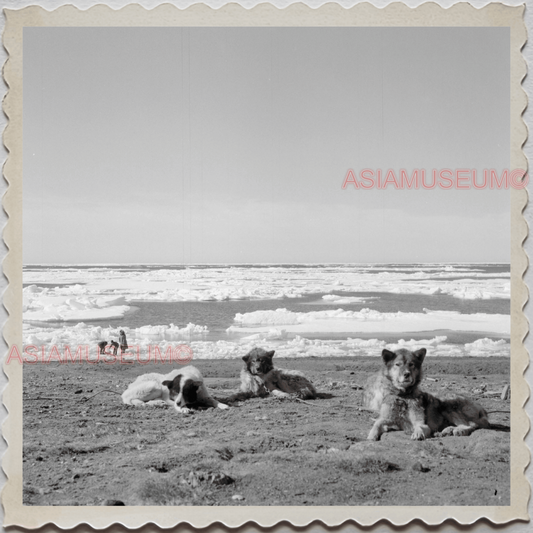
[{"x": 275, "y": 263}]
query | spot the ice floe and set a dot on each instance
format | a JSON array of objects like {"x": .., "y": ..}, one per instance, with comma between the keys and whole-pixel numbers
[
  {"x": 58, "y": 301},
  {"x": 335, "y": 299},
  {"x": 217, "y": 283},
  {"x": 40, "y": 305},
  {"x": 369, "y": 321}
]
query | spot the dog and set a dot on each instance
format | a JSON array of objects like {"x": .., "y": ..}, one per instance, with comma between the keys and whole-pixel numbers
[
  {"x": 182, "y": 388},
  {"x": 394, "y": 392},
  {"x": 260, "y": 378}
]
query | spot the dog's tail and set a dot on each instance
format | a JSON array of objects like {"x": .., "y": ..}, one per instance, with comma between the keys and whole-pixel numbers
[
  {"x": 308, "y": 403},
  {"x": 99, "y": 392},
  {"x": 306, "y": 393},
  {"x": 499, "y": 427},
  {"x": 237, "y": 397}
]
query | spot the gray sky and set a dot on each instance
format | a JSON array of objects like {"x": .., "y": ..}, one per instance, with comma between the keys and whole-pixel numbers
[{"x": 231, "y": 144}]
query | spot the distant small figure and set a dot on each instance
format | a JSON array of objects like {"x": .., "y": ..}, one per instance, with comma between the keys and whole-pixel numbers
[
  {"x": 123, "y": 342},
  {"x": 115, "y": 346},
  {"x": 102, "y": 345}
]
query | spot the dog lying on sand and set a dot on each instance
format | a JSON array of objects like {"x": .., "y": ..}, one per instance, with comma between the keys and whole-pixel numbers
[
  {"x": 395, "y": 394},
  {"x": 260, "y": 378},
  {"x": 181, "y": 388}
]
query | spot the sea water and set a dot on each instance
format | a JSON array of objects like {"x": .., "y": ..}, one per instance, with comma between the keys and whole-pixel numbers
[{"x": 321, "y": 310}]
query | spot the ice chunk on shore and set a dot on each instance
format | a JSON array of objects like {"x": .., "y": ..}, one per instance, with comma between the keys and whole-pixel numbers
[
  {"x": 84, "y": 334},
  {"x": 143, "y": 339},
  {"x": 484, "y": 347}
]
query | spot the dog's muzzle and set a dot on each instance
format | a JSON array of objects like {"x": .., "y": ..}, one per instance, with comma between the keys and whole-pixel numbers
[{"x": 406, "y": 381}]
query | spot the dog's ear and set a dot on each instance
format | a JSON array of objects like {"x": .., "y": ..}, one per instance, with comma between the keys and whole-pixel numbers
[
  {"x": 270, "y": 354},
  {"x": 174, "y": 384},
  {"x": 420, "y": 354},
  {"x": 246, "y": 358},
  {"x": 388, "y": 356}
]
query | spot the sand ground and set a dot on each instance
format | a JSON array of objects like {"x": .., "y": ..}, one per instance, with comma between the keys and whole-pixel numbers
[{"x": 260, "y": 452}]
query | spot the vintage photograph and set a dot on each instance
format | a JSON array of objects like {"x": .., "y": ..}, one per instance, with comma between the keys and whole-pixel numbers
[
  {"x": 266, "y": 266},
  {"x": 263, "y": 265}
]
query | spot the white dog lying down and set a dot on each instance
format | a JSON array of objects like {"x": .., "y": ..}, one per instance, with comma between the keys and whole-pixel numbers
[{"x": 179, "y": 388}]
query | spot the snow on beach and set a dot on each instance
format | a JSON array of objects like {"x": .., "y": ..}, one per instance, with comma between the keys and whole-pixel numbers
[
  {"x": 143, "y": 340},
  {"x": 83, "y": 334}
]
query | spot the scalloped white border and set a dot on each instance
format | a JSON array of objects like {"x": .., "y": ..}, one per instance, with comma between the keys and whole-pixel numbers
[{"x": 262, "y": 15}]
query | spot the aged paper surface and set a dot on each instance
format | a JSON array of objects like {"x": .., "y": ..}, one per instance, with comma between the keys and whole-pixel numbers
[{"x": 429, "y": 15}]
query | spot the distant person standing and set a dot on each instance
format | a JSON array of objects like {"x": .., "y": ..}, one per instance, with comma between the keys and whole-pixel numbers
[{"x": 123, "y": 342}]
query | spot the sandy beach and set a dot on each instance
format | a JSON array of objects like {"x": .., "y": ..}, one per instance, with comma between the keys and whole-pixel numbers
[{"x": 260, "y": 452}]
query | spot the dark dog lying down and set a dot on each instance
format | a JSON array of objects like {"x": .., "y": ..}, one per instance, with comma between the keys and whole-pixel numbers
[
  {"x": 260, "y": 378},
  {"x": 395, "y": 394}
]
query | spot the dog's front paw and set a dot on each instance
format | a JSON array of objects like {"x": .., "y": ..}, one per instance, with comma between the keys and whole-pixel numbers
[
  {"x": 462, "y": 432},
  {"x": 222, "y": 406},
  {"x": 447, "y": 432},
  {"x": 418, "y": 434},
  {"x": 373, "y": 435}
]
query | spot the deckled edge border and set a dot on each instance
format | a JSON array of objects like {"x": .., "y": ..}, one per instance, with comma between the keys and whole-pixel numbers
[{"x": 261, "y": 15}]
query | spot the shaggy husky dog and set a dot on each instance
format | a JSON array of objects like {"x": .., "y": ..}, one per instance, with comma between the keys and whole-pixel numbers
[
  {"x": 180, "y": 388},
  {"x": 260, "y": 378},
  {"x": 395, "y": 394}
]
